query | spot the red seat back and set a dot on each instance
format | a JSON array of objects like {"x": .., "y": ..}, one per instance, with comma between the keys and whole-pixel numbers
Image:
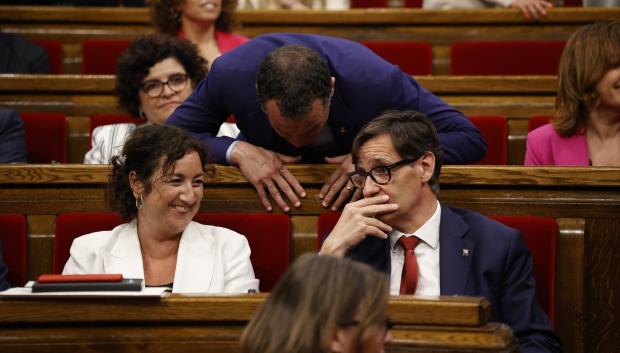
[
  {"x": 46, "y": 137},
  {"x": 99, "y": 56},
  {"x": 537, "y": 121},
  {"x": 357, "y": 4},
  {"x": 494, "y": 129},
  {"x": 506, "y": 58},
  {"x": 414, "y": 58},
  {"x": 413, "y": 3},
  {"x": 539, "y": 234},
  {"x": 13, "y": 238},
  {"x": 269, "y": 236},
  {"x": 54, "y": 53},
  {"x": 72, "y": 225}
]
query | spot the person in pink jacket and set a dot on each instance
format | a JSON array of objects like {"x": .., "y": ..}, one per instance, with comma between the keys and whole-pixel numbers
[
  {"x": 586, "y": 127},
  {"x": 206, "y": 23}
]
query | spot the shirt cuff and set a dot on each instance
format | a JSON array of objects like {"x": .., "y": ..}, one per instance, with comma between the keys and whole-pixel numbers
[{"x": 229, "y": 151}]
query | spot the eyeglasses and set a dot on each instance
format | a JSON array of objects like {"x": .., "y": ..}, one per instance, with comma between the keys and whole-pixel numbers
[
  {"x": 155, "y": 88},
  {"x": 380, "y": 175}
]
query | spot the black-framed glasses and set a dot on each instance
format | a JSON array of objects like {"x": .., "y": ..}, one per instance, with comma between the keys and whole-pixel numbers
[
  {"x": 380, "y": 175},
  {"x": 154, "y": 88}
]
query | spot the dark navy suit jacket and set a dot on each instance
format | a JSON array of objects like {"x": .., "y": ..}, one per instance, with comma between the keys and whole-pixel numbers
[
  {"x": 498, "y": 267},
  {"x": 3, "y": 271},
  {"x": 12, "y": 139},
  {"x": 365, "y": 87}
]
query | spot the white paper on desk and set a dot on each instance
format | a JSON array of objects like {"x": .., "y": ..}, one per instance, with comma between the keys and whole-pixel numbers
[{"x": 26, "y": 292}]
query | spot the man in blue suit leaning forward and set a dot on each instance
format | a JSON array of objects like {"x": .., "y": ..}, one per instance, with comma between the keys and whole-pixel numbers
[
  {"x": 301, "y": 99},
  {"x": 397, "y": 160}
]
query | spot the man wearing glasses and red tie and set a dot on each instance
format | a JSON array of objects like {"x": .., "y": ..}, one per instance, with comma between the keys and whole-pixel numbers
[{"x": 429, "y": 249}]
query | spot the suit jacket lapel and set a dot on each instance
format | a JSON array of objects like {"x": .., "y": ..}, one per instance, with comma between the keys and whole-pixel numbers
[
  {"x": 125, "y": 256},
  {"x": 455, "y": 253},
  {"x": 195, "y": 262}
]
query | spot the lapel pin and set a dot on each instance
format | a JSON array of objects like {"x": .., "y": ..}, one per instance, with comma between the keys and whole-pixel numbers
[{"x": 465, "y": 252}]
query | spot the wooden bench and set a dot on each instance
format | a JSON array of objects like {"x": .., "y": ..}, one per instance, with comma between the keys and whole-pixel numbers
[
  {"x": 584, "y": 201},
  {"x": 214, "y": 324},
  {"x": 71, "y": 25},
  {"x": 518, "y": 98}
]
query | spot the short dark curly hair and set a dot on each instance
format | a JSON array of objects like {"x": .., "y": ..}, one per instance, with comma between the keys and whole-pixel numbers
[
  {"x": 146, "y": 51},
  {"x": 147, "y": 148},
  {"x": 166, "y": 16},
  {"x": 294, "y": 75}
]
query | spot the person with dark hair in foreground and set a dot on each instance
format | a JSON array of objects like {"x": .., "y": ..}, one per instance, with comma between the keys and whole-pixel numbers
[
  {"x": 328, "y": 305},
  {"x": 429, "y": 249},
  {"x": 157, "y": 183},
  {"x": 302, "y": 98}
]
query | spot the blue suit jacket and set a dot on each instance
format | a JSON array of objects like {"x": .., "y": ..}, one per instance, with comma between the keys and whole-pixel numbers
[
  {"x": 365, "y": 87},
  {"x": 12, "y": 140},
  {"x": 498, "y": 267}
]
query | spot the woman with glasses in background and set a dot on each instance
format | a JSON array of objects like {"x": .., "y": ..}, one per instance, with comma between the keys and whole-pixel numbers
[
  {"x": 154, "y": 76},
  {"x": 322, "y": 304}
]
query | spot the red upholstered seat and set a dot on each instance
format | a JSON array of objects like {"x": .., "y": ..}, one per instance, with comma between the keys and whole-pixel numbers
[
  {"x": 13, "y": 239},
  {"x": 494, "y": 129},
  {"x": 537, "y": 121},
  {"x": 46, "y": 137},
  {"x": 99, "y": 56},
  {"x": 414, "y": 58},
  {"x": 356, "y": 4},
  {"x": 539, "y": 234},
  {"x": 506, "y": 57},
  {"x": 413, "y": 3},
  {"x": 54, "y": 53},
  {"x": 72, "y": 225},
  {"x": 269, "y": 236}
]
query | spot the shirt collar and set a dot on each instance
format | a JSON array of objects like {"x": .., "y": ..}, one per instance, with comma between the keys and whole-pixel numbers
[{"x": 428, "y": 232}]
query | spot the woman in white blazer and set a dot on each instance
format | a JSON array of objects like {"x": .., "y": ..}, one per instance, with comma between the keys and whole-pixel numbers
[
  {"x": 155, "y": 75},
  {"x": 157, "y": 183}
]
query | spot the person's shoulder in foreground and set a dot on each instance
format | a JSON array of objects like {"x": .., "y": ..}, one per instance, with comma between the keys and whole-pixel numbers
[
  {"x": 12, "y": 138},
  {"x": 545, "y": 146}
]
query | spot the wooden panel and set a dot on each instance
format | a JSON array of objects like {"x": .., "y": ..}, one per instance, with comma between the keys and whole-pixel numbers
[
  {"x": 569, "y": 283},
  {"x": 602, "y": 285},
  {"x": 72, "y": 25},
  {"x": 446, "y": 324}
]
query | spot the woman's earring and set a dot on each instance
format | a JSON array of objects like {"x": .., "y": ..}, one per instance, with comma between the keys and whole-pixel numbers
[
  {"x": 140, "y": 201},
  {"x": 142, "y": 115}
]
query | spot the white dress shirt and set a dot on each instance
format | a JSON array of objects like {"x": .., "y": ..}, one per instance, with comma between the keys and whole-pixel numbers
[{"x": 427, "y": 253}]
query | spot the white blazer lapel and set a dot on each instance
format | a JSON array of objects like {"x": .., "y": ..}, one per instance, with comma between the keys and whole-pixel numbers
[
  {"x": 195, "y": 262},
  {"x": 125, "y": 256}
]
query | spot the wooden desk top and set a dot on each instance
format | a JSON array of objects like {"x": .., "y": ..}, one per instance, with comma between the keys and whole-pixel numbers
[{"x": 455, "y": 311}]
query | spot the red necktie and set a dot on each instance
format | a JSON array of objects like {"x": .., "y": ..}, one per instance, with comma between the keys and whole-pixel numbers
[{"x": 409, "y": 279}]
